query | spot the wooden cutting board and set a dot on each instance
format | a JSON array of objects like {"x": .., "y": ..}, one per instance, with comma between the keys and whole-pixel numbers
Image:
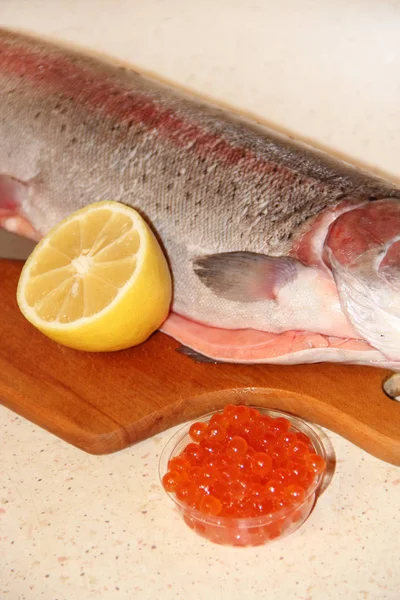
[{"x": 102, "y": 403}]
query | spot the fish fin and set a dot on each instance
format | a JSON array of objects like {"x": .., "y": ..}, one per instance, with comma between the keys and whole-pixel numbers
[
  {"x": 196, "y": 356},
  {"x": 12, "y": 194},
  {"x": 245, "y": 276}
]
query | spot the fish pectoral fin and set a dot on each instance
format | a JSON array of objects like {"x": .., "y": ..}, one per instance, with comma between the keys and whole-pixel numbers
[
  {"x": 12, "y": 194},
  {"x": 245, "y": 276},
  {"x": 12, "y": 191}
]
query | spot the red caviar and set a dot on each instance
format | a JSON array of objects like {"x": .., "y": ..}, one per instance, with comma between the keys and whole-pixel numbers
[
  {"x": 236, "y": 448},
  {"x": 243, "y": 464},
  {"x": 171, "y": 480},
  {"x": 197, "y": 431}
]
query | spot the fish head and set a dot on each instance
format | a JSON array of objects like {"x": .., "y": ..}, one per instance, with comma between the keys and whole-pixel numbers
[{"x": 363, "y": 251}]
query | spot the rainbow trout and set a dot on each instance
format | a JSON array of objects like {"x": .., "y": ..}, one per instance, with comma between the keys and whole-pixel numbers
[{"x": 279, "y": 253}]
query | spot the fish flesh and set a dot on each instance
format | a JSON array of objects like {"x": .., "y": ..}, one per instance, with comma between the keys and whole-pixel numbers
[{"x": 278, "y": 252}]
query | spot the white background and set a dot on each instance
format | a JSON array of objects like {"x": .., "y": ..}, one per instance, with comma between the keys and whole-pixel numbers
[{"x": 73, "y": 526}]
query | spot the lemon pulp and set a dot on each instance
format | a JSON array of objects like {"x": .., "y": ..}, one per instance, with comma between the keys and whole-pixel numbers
[{"x": 98, "y": 281}]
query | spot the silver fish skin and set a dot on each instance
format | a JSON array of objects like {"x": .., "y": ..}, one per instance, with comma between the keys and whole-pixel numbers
[{"x": 230, "y": 200}]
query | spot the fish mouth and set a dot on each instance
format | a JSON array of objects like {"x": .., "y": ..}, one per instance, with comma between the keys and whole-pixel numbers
[{"x": 251, "y": 346}]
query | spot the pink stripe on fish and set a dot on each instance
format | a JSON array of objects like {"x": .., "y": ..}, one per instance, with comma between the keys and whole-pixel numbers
[{"x": 58, "y": 74}]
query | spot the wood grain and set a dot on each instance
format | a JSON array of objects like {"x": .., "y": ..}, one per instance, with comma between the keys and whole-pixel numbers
[{"x": 102, "y": 403}]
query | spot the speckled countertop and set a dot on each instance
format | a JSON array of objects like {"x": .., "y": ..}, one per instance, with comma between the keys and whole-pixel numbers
[{"x": 81, "y": 527}]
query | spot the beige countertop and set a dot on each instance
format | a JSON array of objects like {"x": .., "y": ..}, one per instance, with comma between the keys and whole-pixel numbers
[{"x": 80, "y": 527}]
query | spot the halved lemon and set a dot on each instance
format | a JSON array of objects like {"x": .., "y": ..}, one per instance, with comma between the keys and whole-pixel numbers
[{"x": 98, "y": 281}]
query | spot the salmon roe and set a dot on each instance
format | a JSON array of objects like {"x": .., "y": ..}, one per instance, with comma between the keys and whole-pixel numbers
[{"x": 243, "y": 464}]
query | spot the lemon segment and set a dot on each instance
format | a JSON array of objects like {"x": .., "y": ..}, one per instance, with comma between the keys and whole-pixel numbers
[{"x": 98, "y": 281}]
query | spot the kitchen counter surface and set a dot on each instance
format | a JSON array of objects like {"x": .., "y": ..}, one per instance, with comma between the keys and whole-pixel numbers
[{"x": 80, "y": 527}]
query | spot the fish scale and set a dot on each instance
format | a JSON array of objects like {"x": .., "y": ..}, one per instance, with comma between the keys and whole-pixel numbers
[{"x": 75, "y": 130}]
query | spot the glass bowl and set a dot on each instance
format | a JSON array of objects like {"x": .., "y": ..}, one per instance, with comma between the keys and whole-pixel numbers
[{"x": 252, "y": 531}]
